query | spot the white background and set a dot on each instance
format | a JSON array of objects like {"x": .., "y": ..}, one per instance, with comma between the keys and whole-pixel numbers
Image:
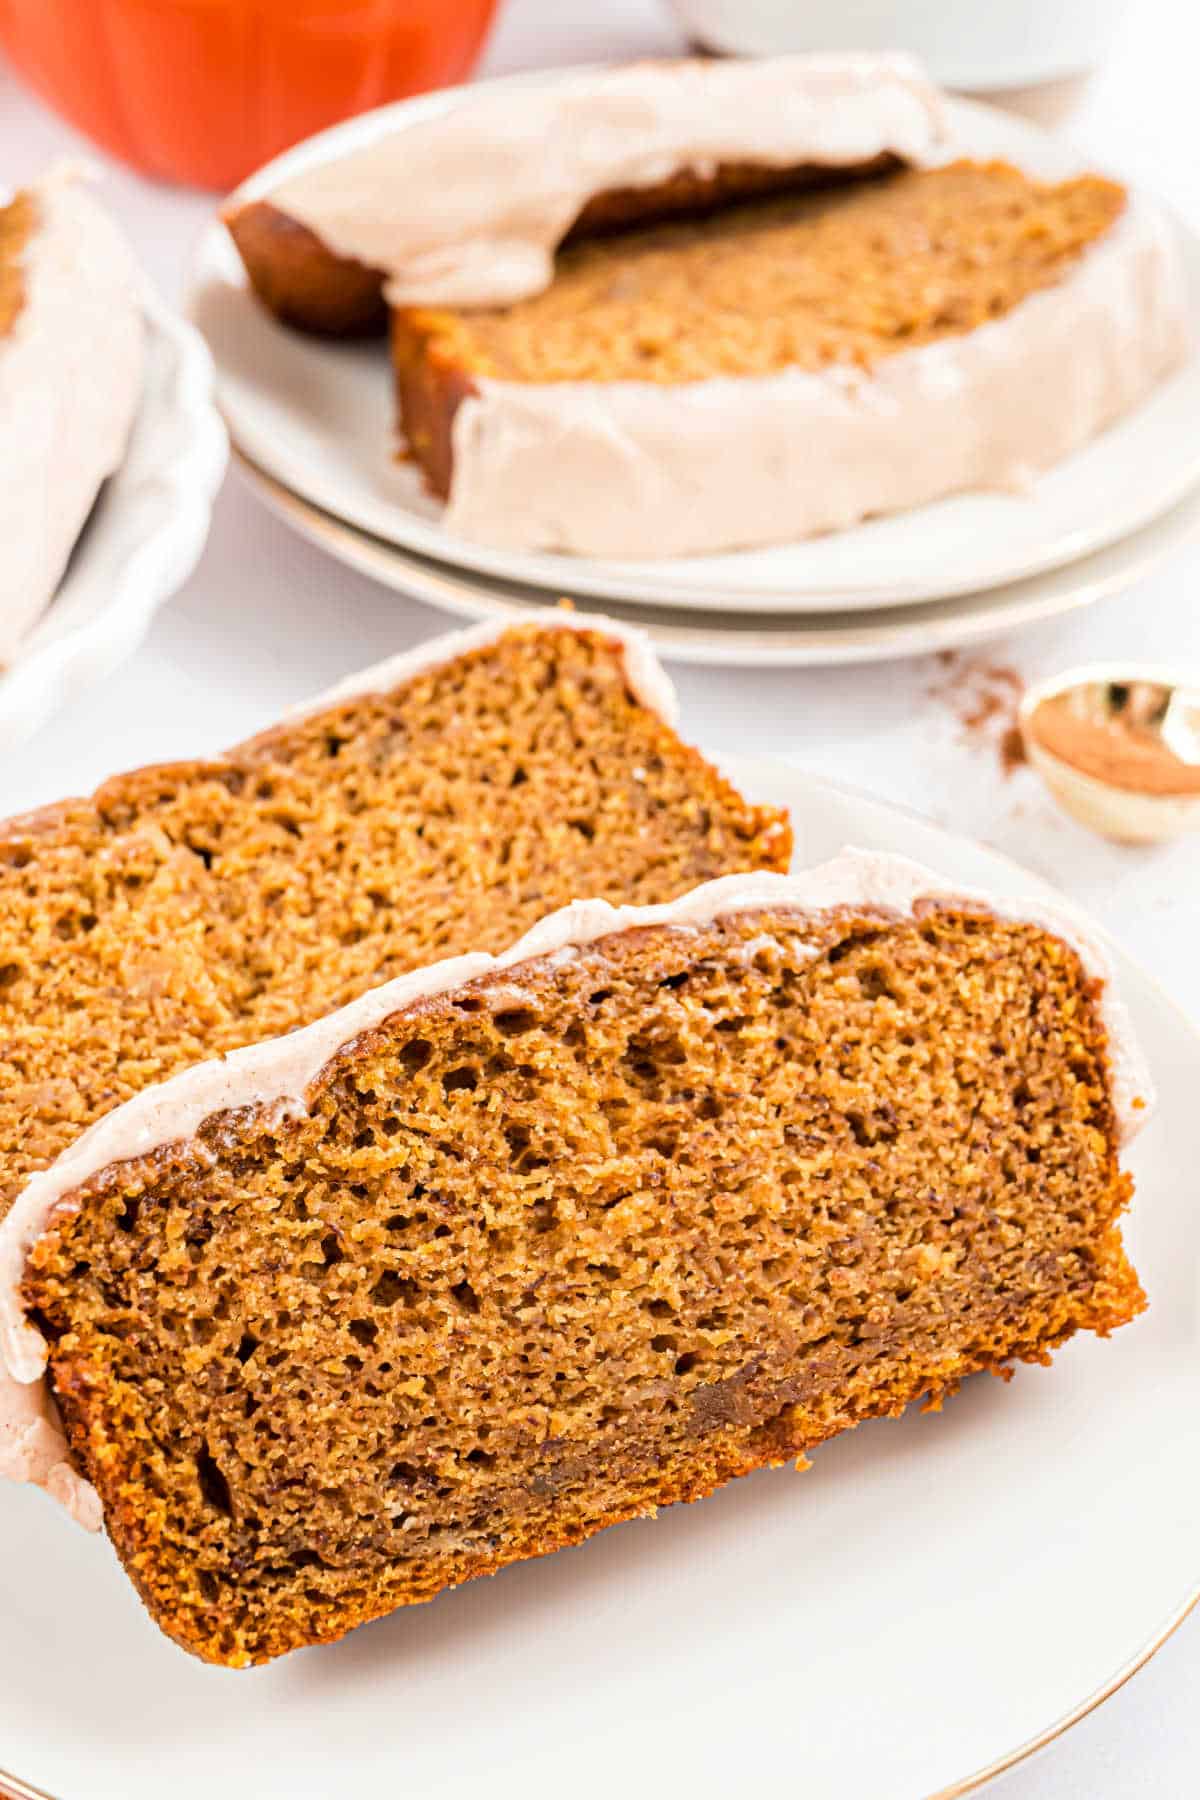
[{"x": 267, "y": 620}]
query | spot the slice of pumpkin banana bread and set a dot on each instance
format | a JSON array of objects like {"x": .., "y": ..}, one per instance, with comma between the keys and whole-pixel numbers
[
  {"x": 441, "y": 802},
  {"x": 513, "y": 1248}
]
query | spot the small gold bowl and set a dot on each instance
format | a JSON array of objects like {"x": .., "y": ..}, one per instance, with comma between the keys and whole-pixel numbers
[{"x": 1119, "y": 748}]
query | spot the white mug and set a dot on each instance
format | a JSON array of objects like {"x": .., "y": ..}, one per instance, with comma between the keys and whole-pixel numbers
[{"x": 973, "y": 44}]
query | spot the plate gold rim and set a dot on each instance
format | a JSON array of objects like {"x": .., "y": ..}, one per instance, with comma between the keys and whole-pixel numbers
[{"x": 12, "y": 1787}]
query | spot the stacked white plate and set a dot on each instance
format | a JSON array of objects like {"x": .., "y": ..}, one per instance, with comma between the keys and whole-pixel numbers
[{"x": 313, "y": 424}]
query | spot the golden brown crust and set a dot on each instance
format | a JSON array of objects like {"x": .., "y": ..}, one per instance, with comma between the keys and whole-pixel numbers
[
  {"x": 688, "y": 194},
  {"x": 786, "y": 1438},
  {"x": 301, "y": 281}
]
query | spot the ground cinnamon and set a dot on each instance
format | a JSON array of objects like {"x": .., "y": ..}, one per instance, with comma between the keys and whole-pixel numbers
[
  {"x": 1116, "y": 749},
  {"x": 985, "y": 699}
]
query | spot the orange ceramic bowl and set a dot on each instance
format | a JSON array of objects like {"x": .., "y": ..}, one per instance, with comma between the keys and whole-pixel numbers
[{"x": 204, "y": 91}]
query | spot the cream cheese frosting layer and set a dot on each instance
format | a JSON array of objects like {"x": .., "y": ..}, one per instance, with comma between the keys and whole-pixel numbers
[
  {"x": 70, "y": 383},
  {"x": 467, "y": 209},
  {"x": 648, "y": 681},
  {"x": 281, "y": 1072},
  {"x": 644, "y": 469}
]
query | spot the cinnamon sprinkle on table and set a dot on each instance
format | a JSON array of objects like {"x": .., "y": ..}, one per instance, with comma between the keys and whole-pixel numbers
[{"x": 984, "y": 698}]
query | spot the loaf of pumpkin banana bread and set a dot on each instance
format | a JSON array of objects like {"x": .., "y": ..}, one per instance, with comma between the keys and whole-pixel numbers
[{"x": 672, "y": 309}]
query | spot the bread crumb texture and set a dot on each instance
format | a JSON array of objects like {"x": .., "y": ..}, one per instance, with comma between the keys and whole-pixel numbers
[
  {"x": 579, "y": 1239},
  {"x": 844, "y": 274},
  {"x": 187, "y": 910}
]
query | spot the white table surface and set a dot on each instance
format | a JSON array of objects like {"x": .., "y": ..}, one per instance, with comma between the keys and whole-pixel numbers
[{"x": 267, "y": 620}]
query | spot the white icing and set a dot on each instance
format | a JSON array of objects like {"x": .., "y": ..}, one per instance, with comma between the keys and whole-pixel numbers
[
  {"x": 280, "y": 1072},
  {"x": 33, "y": 1449},
  {"x": 644, "y": 469},
  {"x": 630, "y": 468},
  {"x": 467, "y": 209},
  {"x": 70, "y": 383},
  {"x": 648, "y": 681}
]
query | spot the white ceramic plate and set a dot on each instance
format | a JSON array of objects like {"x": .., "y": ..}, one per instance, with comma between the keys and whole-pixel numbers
[
  {"x": 319, "y": 417},
  {"x": 141, "y": 542},
  {"x": 759, "y": 639},
  {"x": 936, "y": 1597}
]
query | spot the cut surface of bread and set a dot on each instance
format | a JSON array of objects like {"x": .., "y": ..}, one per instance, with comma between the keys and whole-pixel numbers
[
  {"x": 843, "y": 276},
  {"x": 574, "y": 1238},
  {"x": 185, "y": 910},
  {"x": 306, "y": 284},
  {"x": 18, "y": 220}
]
